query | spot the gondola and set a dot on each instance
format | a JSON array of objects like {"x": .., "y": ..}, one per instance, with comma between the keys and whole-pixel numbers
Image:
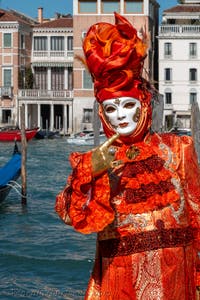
[{"x": 9, "y": 173}]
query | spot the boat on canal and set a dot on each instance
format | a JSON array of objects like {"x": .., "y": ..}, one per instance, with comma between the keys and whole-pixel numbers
[
  {"x": 47, "y": 134},
  {"x": 181, "y": 131},
  {"x": 9, "y": 173},
  {"x": 85, "y": 138},
  {"x": 11, "y": 134}
]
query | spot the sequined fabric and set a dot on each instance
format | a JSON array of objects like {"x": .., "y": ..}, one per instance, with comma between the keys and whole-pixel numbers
[
  {"x": 147, "y": 216},
  {"x": 146, "y": 241}
]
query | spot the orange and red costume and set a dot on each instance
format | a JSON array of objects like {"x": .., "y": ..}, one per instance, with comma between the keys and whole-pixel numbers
[
  {"x": 147, "y": 216},
  {"x": 146, "y": 211}
]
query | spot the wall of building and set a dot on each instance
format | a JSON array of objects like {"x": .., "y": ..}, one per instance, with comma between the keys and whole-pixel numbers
[{"x": 180, "y": 35}]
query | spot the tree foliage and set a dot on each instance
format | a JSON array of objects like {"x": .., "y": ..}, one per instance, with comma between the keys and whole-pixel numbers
[
  {"x": 25, "y": 78},
  {"x": 28, "y": 78}
]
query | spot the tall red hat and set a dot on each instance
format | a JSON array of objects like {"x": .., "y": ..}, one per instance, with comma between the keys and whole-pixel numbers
[{"x": 115, "y": 55}]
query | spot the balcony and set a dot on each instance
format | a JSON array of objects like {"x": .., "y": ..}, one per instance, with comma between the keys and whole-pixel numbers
[
  {"x": 52, "y": 56},
  {"x": 179, "y": 30},
  {"x": 45, "y": 94},
  {"x": 6, "y": 91}
]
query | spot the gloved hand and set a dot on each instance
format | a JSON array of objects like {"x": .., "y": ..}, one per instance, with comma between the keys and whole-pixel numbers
[{"x": 103, "y": 156}]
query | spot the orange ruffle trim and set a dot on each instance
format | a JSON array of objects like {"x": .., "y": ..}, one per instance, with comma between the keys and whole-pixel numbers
[
  {"x": 146, "y": 178},
  {"x": 153, "y": 203},
  {"x": 156, "y": 201}
]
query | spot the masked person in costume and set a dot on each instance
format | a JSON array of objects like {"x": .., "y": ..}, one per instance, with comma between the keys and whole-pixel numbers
[{"x": 139, "y": 191}]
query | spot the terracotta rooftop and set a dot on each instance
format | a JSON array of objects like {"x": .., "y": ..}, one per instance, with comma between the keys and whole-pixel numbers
[
  {"x": 183, "y": 9},
  {"x": 57, "y": 23},
  {"x": 9, "y": 16}
]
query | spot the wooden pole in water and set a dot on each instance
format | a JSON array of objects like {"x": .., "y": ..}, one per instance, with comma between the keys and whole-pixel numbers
[{"x": 23, "y": 150}]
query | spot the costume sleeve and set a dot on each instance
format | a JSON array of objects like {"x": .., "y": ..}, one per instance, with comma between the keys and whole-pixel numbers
[
  {"x": 88, "y": 198},
  {"x": 192, "y": 192},
  {"x": 62, "y": 204}
]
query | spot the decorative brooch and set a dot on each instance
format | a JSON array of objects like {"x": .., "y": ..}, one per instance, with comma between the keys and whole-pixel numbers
[{"x": 132, "y": 152}]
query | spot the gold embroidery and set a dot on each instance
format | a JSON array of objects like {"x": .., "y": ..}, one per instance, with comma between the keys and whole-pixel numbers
[{"x": 132, "y": 152}]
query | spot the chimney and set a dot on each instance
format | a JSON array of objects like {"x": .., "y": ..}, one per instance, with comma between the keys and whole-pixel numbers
[{"x": 40, "y": 15}]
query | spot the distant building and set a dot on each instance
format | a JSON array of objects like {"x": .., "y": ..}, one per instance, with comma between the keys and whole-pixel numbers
[
  {"x": 48, "y": 102},
  {"x": 179, "y": 57},
  {"x": 15, "y": 58}
]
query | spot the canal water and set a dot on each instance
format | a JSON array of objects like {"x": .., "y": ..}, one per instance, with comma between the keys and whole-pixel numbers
[{"x": 40, "y": 256}]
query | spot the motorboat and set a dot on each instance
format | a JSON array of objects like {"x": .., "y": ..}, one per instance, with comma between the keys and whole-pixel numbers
[
  {"x": 85, "y": 137},
  {"x": 181, "y": 131}
]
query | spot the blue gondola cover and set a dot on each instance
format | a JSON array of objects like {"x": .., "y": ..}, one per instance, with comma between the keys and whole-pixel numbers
[{"x": 10, "y": 170}]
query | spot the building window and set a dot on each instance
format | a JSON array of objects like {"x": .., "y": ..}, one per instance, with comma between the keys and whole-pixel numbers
[
  {"x": 87, "y": 6},
  {"x": 70, "y": 78},
  {"x": 7, "y": 40},
  {"x": 6, "y": 115},
  {"x": 57, "y": 43},
  {"x": 22, "y": 41},
  {"x": 193, "y": 97},
  {"x": 169, "y": 122},
  {"x": 167, "y": 49},
  {"x": 193, "y": 74},
  {"x": 40, "y": 43},
  {"x": 87, "y": 115},
  {"x": 193, "y": 49},
  {"x": 168, "y": 74},
  {"x": 87, "y": 80},
  {"x": 70, "y": 43},
  {"x": 83, "y": 34},
  {"x": 109, "y": 6},
  {"x": 168, "y": 98},
  {"x": 134, "y": 6},
  {"x": 7, "y": 77},
  {"x": 57, "y": 78},
  {"x": 41, "y": 78}
]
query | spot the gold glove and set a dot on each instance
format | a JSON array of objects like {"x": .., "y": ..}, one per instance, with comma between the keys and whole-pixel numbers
[{"x": 103, "y": 156}]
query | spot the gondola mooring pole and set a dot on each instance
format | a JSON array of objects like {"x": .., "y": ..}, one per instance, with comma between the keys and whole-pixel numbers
[{"x": 23, "y": 150}]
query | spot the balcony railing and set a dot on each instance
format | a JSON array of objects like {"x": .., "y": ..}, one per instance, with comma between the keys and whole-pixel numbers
[
  {"x": 175, "y": 30},
  {"x": 6, "y": 91},
  {"x": 45, "y": 94},
  {"x": 49, "y": 54}
]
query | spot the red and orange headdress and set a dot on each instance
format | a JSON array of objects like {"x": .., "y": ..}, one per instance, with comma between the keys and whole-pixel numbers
[{"x": 114, "y": 55}]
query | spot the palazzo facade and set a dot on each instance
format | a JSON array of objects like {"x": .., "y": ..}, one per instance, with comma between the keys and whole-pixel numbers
[{"x": 48, "y": 103}]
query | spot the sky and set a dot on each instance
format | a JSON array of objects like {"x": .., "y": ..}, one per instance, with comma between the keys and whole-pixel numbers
[
  {"x": 29, "y": 7},
  {"x": 50, "y": 7}
]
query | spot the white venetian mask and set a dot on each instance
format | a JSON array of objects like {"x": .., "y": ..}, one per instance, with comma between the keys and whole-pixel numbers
[{"x": 123, "y": 114}]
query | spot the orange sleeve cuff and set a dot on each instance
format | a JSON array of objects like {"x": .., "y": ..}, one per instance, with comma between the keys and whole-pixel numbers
[{"x": 90, "y": 209}]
